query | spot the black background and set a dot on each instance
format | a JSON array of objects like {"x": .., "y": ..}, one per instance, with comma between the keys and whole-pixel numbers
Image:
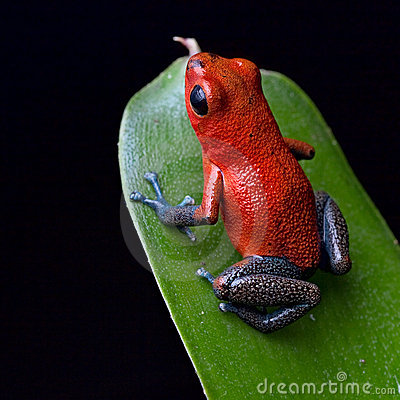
[{"x": 81, "y": 319}]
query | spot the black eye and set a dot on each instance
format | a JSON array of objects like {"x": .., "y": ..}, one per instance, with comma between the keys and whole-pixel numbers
[{"x": 198, "y": 101}]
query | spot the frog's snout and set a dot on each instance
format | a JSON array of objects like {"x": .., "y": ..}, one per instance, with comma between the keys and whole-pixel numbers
[
  {"x": 195, "y": 62},
  {"x": 199, "y": 60}
]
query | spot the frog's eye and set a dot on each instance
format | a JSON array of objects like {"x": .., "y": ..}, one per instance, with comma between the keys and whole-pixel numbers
[{"x": 198, "y": 101}]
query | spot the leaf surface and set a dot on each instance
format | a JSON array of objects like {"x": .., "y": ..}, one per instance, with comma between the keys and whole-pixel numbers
[{"x": 355, "y": 329}]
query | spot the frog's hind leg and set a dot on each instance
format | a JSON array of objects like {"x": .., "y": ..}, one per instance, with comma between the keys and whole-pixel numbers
[
  {"x": 266, "y": 282},
  {"x": 334, "y": 235}
]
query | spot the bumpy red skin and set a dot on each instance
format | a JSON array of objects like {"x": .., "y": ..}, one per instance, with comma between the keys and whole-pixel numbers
[{"x": 266, "y": 201}]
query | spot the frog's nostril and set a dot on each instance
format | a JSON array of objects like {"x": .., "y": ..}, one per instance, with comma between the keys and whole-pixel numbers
[{"x": 195, "y": 63}]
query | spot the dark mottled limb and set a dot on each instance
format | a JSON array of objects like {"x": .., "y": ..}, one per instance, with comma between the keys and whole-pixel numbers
[
  {"x": 186, "y": 213},
  {"x": 267, "y": 323},
  {"x": 264, "y": 281},
  {"x": 279, "y": 266},
  {"x": 180, "y": 215},
  {"x": 295, "y": 296},
  {"x": 334, "y": 235},
  {"x": 266, "y": 290}
]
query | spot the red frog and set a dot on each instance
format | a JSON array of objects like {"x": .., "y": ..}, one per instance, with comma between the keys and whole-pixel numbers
[{"x": 283, "y": 230}]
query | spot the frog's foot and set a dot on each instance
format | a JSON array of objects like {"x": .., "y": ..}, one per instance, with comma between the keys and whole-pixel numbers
[
  {"x": 228, "y": 307},
  {"x": 205, "y": 274},
  {"x": 187, "y": 201},
  {"x": 188, "y": 232},
  {"x": 152, "y": 177},
  {"x": 160, "y": 205},
  {"x": 234, "y": 308},
  {"x": 137, "y": 196}
]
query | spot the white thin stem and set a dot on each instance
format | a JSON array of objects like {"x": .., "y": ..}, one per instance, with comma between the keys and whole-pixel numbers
[{"x": 190, "y": 43}]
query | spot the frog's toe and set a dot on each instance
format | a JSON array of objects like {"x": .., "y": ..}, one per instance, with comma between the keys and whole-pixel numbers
[
  {"x": 151, "y": 176},
  {"x": 187, "y": 201},
  {"x": 205, "y": 274},
  {"x": 227, "y": 307},
  {"x": 187, "y": 231},
  {"x": 137, "y": 196}
]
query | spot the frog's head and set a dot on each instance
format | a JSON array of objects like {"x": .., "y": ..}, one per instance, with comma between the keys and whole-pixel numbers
[{"x": 222, "y": 95}]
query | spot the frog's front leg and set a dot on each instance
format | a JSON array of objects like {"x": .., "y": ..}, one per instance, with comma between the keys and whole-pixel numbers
[
  {"x": 186, "y": 214},
  {"x": 160, "y": 203},
  {"x": 301, "y": 150},
  {"x": 264, "y": 281}
]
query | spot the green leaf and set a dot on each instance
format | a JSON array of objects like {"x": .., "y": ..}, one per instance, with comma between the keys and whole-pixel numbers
[{"x": 355, "y": 329}]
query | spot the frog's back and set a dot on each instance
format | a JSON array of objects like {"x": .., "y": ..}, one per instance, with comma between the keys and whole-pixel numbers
[{"x": 268, "y": 206}]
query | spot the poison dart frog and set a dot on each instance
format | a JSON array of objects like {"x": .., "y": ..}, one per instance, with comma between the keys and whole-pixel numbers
[{"x": 282, "y": 228}]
